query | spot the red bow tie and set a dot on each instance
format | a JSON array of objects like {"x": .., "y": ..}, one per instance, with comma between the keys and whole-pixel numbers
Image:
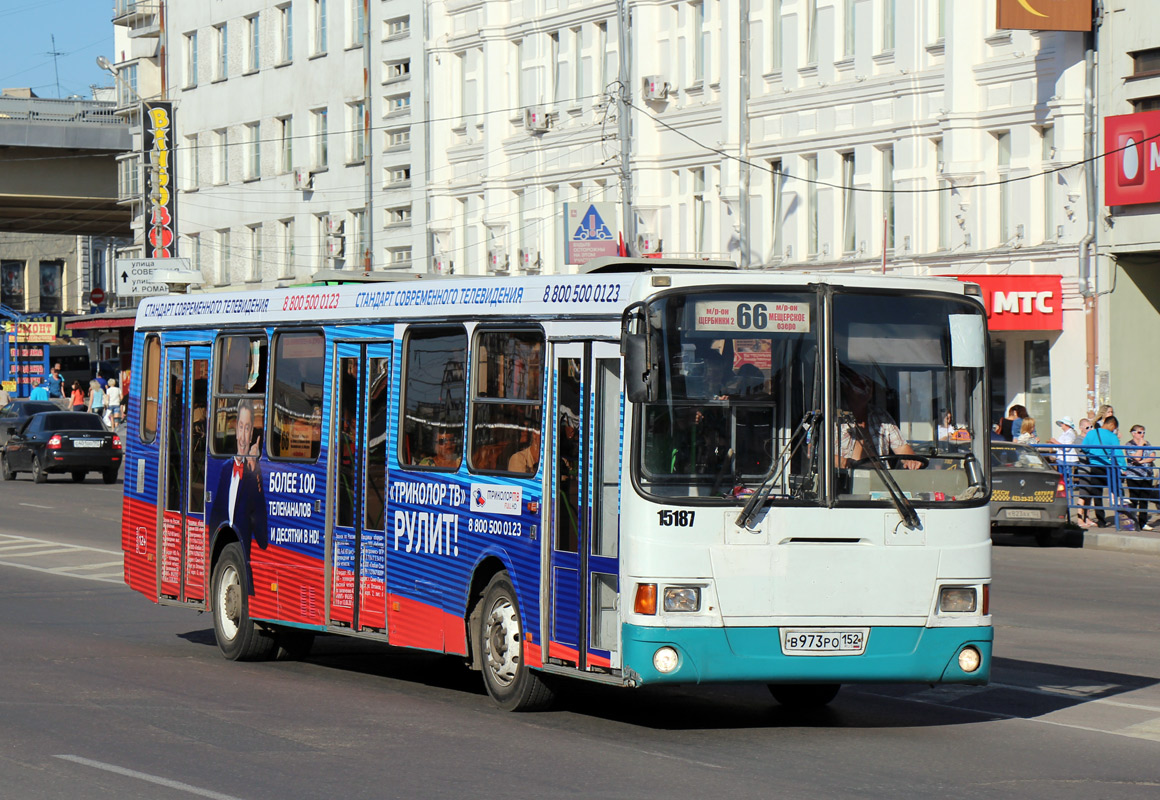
[{"x": 238, "y": 467}]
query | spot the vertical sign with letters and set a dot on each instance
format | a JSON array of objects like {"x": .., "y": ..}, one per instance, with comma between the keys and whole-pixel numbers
[{"x": 160, "y": 181}]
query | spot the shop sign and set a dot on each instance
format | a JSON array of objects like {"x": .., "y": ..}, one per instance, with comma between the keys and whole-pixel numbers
[
  {"x": 1044, "y": 15},
  {"x": 1021, "y": 302},
  {"x": 1132, "y": 167},
  {"x": 33, "y": 331},
  {"x": 160, "y": 182}
]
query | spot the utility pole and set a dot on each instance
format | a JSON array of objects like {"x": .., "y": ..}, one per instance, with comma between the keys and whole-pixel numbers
[
  {"x": 54, "y": 53},
  {"x": 624, "y": 125}
]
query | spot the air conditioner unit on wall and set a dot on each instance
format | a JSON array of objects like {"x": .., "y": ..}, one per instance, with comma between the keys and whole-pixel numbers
[
  {"x": 529, "y": 257},
  {"x": 497, "y": 259},
  {"x": 303, "y": 178},
  {"x": 648, "y": 242},
  {"x": 536, "y": 119},
  {"x": 334, "y": 224},
  {"x": 335, "y": 246},
  {"x": 655, "y": 88},
  {"x": 442, "y": 265}
]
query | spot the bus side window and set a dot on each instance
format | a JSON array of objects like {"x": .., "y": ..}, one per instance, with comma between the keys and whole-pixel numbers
[
  {"x": 296, "y": 416},
  {"x": 241, "y": 375},
  {"x": 507, "y": 400},
  {"x": 434, "y": 397},
  {"x": 150, "y": 389}
]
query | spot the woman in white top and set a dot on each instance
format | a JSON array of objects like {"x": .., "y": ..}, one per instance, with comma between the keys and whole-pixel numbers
[{"x": 113, "y": 400}]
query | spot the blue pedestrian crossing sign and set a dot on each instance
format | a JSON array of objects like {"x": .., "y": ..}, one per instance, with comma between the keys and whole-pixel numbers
[{"x": 587, "y": 235}]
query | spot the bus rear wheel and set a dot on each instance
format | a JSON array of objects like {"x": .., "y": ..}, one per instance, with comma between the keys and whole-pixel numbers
[
  {"x": 238, "y": 637},
  {"x": 804, "y": 696},
  {"x": 508, "y": 679}
]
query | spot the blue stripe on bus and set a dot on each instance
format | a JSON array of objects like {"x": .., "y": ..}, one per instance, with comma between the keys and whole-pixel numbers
[{"x": 893, "y": 654}]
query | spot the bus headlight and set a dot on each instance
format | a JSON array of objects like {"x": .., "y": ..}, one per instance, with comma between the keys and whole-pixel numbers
[
  {"x": 957, "y": 599},
  {"x": 682, "y": 598},
  {"x": 666, "y": 660}
]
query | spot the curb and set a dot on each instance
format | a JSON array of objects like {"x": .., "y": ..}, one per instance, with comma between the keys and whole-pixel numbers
[{"x": 1122, "y": 542}]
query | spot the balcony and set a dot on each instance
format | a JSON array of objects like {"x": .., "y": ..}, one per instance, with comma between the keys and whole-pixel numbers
[{"x": 141, "y": 17}]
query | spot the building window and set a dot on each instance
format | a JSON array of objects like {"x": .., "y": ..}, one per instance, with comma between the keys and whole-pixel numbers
[
  {"x": 888, "y": 194},
  {"x": 253, "y": 44},
  {"x": 129, "y": 178},
  {"x": 192, "y": 162},
  {"x": 811, "y": 32},
  {"x": 1146, "y": 62},
  {"x": 1047, "y": 141},
  {"x": 127, "y": 87},
  {"x": 12, "y": 284},
  {"x": 224, "y": 257},
  {"x": 399, "y": 216},
  {"x": 399, "y": 139},
  {"x": 811, "y": 205},
  {"x": 191, "y": 60},
  {"x": 887, "y": 25},
  {"x": 776, "y": 48},
  {"x": 699, "y": 41},
  {"x": 286, "y": 248},
  {"x": 399, "y": 176},
  {"x": 777, "y": 210},
  {"x": 1003, "y": 167},
  {"x": 221, "y": 166},
  {"x": 555, "y": 64},
  {"x": 399, "y": 256},
  {"x": 399, "y": 104},
  {"x": 321, "y": 148},
  {"x": 286, "y": 33},
  {"x": 397, "y": 28},
  {"x": 358, "y": 234},
  {"x": 253, "y": 151},
  {"x": 319, "y": 27},
  {"x": 847, "y": 28},
  {"x": 358, "y": 22},
  {"x": 944, "y": 196},
  {"x": 700, "y": 218},
  {"x": 255, "y": 253},
  {"x": 50, "y": 288},
  {"x": 849, "y": 226},
  {"x": 222, "y": 40},
  {"x": 286, "y": 143},
  {"x": 940, "y": 18},
  {"x": 1146, "y": 104},
  {"x": 397, "y": 70},
  {"x": 1037, "y": 378},
  {"x": 357, "y": 127}
]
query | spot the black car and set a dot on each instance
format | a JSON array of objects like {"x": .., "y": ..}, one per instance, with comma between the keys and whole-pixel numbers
[
  {"x": 1026, "y": 491},
  {"x": 62, "y": 441},
  {"x": 16, "y": 412}
]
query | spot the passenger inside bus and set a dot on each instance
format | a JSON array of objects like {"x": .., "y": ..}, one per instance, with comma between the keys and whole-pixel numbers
[
  {"x": 447, "y": 453},
  {"x": 871, "y": 432},
  {"x": 526, "y": 459}
]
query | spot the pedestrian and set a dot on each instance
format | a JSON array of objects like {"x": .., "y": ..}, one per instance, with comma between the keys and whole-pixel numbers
[
  {"x": 1138, "y": 476},
  {"x": 40, "y": 391},
  {"x": 1103, "y": 456},
  {"x": 113, "y": 401},
  {"x": 1006, "y": 427},
  {"x": 1066, "y": 438},
  {"x": 1080, "y": 470},
  {"x": 4, "y": 398},
  {"x": 55, "y": 382},
  {"x": 77, "y": 397},
  {"x": 1027, "y": 433},
  {"x": 96, "y": 398}
]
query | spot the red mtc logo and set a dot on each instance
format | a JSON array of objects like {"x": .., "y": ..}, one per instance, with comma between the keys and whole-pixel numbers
[
  {"x": 1132, "y": 170},
  {"x": 161, "y": 215}
]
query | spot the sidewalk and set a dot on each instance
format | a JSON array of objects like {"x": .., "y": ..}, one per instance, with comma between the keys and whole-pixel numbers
[{"x": 1143, "y": 542}]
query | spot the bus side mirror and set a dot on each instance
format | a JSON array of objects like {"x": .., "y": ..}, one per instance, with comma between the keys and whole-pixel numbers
[{"x": 640, "y": 369}]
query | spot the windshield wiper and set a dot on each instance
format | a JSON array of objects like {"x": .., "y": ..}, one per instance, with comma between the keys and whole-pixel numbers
[
  {"x": 901, "y": 504},
  {"x": 758, "y": 498}
]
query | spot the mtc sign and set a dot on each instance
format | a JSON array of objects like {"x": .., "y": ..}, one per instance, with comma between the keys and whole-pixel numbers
[
  {"x": 1020, "y": 302},
  {"x": 1132, "y": 167}
]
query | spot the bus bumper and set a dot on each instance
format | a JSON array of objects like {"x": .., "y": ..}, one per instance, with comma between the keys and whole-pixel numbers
[{"x": 893, "y": 655}]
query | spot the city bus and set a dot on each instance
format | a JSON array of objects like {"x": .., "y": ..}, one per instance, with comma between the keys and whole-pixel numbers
[{"x": 653, "y": 472}]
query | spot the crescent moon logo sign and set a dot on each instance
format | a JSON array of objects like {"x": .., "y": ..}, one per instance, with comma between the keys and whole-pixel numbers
[{"x": 1027, "y": 7}]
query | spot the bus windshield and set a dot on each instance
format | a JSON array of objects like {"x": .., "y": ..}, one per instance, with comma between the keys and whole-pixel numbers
[{"x": 739, "y": 372}]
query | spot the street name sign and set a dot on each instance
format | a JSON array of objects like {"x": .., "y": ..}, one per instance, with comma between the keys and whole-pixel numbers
[{"x": 136, "y": 276}]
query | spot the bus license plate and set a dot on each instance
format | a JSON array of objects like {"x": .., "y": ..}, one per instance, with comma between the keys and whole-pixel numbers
[
  {"x": 1024, "y": 513},
  {"x": 87, "y": 442},
  {"x": 823, "y": 641}
]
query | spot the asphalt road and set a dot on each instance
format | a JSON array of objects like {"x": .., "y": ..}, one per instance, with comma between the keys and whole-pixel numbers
[{"x": 104, "y": 695}]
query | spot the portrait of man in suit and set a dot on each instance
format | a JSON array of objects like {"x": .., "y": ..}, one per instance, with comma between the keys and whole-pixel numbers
[{"x": 239, "y": 501}]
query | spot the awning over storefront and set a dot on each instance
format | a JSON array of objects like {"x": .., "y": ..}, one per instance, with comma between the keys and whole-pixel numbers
[{"x": 109, "y": 321}]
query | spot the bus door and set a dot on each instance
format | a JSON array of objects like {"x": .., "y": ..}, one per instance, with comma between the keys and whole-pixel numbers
[
  {"x": 584, "y": 507},
  {"x": 357, "y": 554},
  {"x": 181, "y": 547}
]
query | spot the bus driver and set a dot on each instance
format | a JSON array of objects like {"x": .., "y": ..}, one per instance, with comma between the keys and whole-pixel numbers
[{"x": 878, "y": 434}]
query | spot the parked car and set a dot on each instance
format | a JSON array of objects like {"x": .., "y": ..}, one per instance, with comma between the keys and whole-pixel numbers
[
  {"x": 1026, "y": 491},
  {"x": 62, "y": 441},
  {"x": 16, "y": 412}
]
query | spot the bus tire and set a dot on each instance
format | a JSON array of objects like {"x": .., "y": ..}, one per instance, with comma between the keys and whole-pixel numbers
[
  {"x": 238, "y": 637},
  {"x": 804, "y": 696},
  {"x": 508, "y": 680}
]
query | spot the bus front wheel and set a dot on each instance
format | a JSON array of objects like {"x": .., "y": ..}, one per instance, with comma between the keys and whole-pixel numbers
[
  {"x": 509, "y": 681},
  {"x": 238, "y": 637},
  {"x": 803, "y": 696}
]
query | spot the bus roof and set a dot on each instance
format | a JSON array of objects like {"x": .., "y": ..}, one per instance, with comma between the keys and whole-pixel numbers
[{"x": 602, "y": 293}]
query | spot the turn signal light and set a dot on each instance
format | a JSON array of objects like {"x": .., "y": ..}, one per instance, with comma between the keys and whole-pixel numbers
[
  {"x": 646, "y": 599},
  {"x": 986, "y": 599},
  {"x": 54, "y": 442}
]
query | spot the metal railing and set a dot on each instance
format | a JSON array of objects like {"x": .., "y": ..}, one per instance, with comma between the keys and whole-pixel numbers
[
  {"x": 54, "y": 112},
  {"x": 1107, "y": 485}
]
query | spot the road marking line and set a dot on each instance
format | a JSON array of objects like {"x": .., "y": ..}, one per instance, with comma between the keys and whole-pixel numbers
[
  {"x": 90, "y": 566},
  {"x": 34, "y": 505},
  {"x": 143, "y": 776},
  {"x": 35, "y": 553},
  {"x": 47, "y": 571},
  {"x": 6, "y": 538}
]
